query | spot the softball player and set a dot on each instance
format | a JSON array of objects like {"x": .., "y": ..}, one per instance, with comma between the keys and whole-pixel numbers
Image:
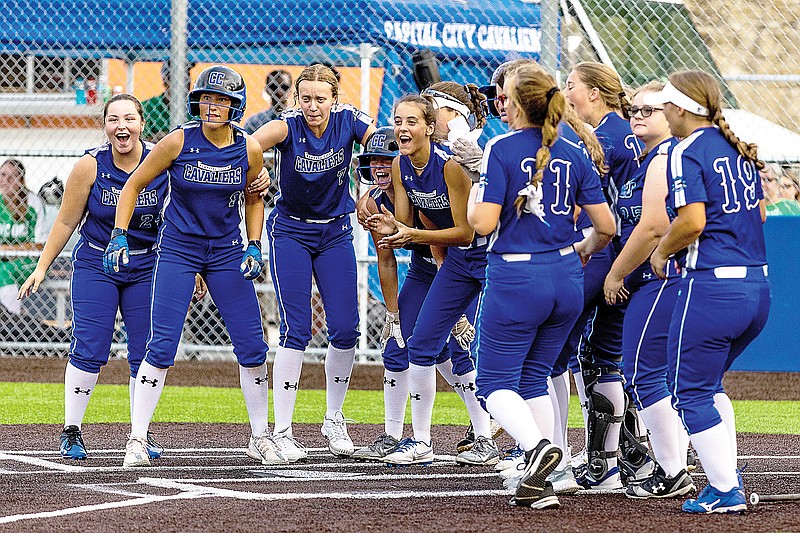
[
  {"x": 90, "y": 198},
  {"x": 572, "y": 128},
  {"x": 460, "y": 117},
  {"x": 375, "y": 166},
  {"x": 209, "y": 163},
  {"x": 644, "y": 218},
  {"x": 310, "y": 234},
  {"x": 596, "y": 93},
  {"x": 425, "y": 178},
  {"x": 724, "y": 294},
  {"x": 533, "y": 292}
]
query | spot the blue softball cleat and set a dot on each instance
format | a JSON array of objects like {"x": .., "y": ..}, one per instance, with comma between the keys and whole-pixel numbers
[
  {"x": 712, "y": 501},
  {"x": 72, "y": 446}
]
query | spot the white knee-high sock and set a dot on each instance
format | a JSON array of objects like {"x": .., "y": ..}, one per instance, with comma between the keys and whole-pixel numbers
[
  {"x": 285, "y": 382},
  {"x": 724, "y": 407},
  {"x": 683, "y": 441},
  {"x": 255, "y": 388},
  {"x": 446, "y": 370},
  {"x": 614, "y": 392},
  {"x": 513, "y": 413},
  {"x": 542, "y": 410},
  {"x": 558, "y": 389},
  {"x": 477, "y": 415},
  {"x": 713, "y": 448},
  {"x": 662, "y": 424},
  {"x": 78, "y": 388},
  {"x": 131, "y": 390},
  {"x": 422, "y": 389},
  {"x": 580, "y": 387},
  {"x": 395, "y": 397},
  {"x": 338, "y": 368},
  {"x": 148, "y": 389}
]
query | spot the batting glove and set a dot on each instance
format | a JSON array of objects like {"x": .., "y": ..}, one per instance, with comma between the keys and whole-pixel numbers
[
  {"x": 464, "y": 332},
  {"x": 467, "y": 153},
  {"x": 391, "y": 328},
  {"x": 116, "y": 254},
  {"x": 251, "y": 261}
]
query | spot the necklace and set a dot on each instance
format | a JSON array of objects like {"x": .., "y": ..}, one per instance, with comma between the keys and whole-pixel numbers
[{"x": 415, "y": 167}]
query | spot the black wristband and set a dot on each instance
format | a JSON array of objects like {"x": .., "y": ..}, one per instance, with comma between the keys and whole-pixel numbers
[
  {"x": 255, "y": 243},
  {"x": 119, "y": 231}
]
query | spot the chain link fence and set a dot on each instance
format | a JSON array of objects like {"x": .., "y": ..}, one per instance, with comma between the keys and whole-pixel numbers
[{"x": 60, "y": 60}]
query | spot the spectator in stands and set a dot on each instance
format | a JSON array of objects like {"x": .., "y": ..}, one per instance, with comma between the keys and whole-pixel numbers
[
  {"x": 22, "y": 228},
  {"x": 277, "y": 92},
  {"x": 789, "y": 186},
  {"x": 156, "y": 109},
  {"x": 771, "y": 177}
]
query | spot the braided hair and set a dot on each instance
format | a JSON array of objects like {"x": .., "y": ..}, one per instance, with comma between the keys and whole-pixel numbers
[
  {"x": 704, "y": 89},
  {"x": 536, "y": 94}
]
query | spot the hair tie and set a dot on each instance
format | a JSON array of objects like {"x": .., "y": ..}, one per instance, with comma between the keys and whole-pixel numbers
[
  {"x": 622, "y": 95},
  {"x": 551, "y": 92}
]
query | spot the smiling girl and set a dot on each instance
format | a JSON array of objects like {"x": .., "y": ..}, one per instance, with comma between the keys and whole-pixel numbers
[
  {"x": 310, "y": 236},
  {"x": 209, "y": 163},
  {"x": 89, "y": 199}
]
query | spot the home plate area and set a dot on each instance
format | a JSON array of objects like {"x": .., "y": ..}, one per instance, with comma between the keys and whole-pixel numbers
[{"x": 201, "y": 485}]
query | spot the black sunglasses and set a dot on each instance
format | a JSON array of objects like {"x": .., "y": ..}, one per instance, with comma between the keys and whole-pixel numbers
[
  {"x": 646, "y": 110},
  {"x": 490, "y": 91}
]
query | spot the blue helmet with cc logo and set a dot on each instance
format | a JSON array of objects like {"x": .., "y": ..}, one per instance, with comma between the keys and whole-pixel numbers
[{"x": 223, "y": 80}]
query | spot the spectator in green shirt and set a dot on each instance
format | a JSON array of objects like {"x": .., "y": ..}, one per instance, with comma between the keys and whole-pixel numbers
[
  {"x": 156, "y": 109},
  {"x": 22, "y": 229},
  {"x": 778, "y": 190}
]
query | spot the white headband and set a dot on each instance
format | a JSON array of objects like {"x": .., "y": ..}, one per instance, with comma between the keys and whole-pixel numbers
[
  {"x": 672, "y": 95},
  {"x": 440, "y": 102}
]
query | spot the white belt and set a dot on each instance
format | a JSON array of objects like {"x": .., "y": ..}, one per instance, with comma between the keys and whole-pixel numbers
[
  {"x": 587, "y": 231},
  {"x": 511, "y": 258},
  {"x": 316, "y": 220},
  {"x": 734, "y": 272}
]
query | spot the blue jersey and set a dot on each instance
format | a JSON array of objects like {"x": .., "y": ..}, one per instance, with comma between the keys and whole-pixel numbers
[
  {"x": 428, "y": 191},
  {"x": 705, "y": 168},
  {"x": 312, "y": 172},
  {"x": 621, "y": 149},
  {"x": 569, "y": 179},
  {"x": 101, "y": 206},
  {"x": 629, "y": 202},
  {"x": 420, "y": 253},
  {"x": 207, "y": 184}
]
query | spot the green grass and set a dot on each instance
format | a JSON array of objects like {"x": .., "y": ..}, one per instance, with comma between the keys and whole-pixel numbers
[{"x": 43, "y": 403}]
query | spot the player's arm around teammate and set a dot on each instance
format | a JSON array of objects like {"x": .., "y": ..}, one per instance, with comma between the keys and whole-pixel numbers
[{"x": 210, "y": 163}]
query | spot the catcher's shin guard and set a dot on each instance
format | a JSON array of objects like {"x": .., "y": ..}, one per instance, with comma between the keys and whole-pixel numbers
[
  {"x": 600, "y": 412},
  {"x": 632, "y": 444}
]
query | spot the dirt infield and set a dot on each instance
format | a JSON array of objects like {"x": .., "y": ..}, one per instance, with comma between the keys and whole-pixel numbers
[
  {"x": 739, "y": 385},
  {"x": 205, "y": 482}
]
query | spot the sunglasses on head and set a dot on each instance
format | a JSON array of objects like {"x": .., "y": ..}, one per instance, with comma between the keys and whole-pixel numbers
[{"x": 646, "y": 110}]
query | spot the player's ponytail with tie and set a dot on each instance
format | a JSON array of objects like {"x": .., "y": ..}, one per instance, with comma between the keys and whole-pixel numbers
[
  {"x": 703, "y": 89},
  {"x": 535, "y": 93}
]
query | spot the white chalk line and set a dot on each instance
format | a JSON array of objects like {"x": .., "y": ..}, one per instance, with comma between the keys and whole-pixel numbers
[
  {"x": 244, "y": 495},
  {"x": 100, "y": 507}
]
